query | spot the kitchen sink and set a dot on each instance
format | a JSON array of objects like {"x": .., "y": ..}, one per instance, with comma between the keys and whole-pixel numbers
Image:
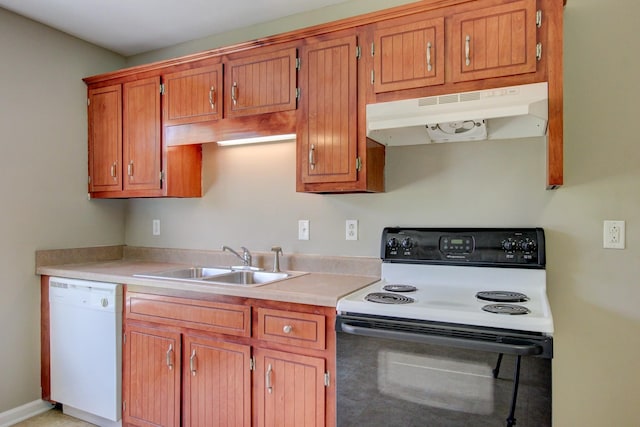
[
  {"x": 190, "y": 273},
  {"x": 221, "y": 276},
  {"x": 242, "y": 277}
]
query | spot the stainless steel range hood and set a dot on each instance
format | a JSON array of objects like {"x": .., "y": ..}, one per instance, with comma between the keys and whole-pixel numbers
[{"x": 503, "y": 113}]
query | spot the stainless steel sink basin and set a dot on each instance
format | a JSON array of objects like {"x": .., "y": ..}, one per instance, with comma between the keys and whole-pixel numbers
[
  {"x": 190, "y": 273},
  {"x": 243, "y": 277},
  {"x": 221, "y": 276}
]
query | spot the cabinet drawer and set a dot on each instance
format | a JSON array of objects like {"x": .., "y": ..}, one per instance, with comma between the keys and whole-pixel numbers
[
  {"x": 216, "y": 317},
  {"x": 291, "y": 328}
]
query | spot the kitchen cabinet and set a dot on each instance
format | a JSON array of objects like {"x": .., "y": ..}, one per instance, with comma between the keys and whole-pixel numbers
[
  {"x": 494, "y": 41},
  {"x": 408, "y": 53},
  {"x": 124, "y": 137},
  {"x": 151, "y": 390},
  {"x": 260, "y": 83},
  {"x": 289, "y": 389},
  {"x": 217, "y": 383},
  {"x": 330, "y": 156},
  {"x": 422, "y": 49},
  {"x": 141, "y": 134},
  {"x": 236, "y": 354},
  {"x": 105, "y": 138},
  {"x": 127, "y": 157},
  {"x": 192, "y": 96}
]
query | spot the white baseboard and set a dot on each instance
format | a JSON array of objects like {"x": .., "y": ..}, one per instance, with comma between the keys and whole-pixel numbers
[{"x": 21, "y": 413}]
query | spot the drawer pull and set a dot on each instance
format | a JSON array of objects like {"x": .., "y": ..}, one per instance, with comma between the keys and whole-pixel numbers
[
  {"x": 287, "y": 329},
  {"x": 234, "y": 97},
  {"x": 170, "y": 357},
  {"x": 268, "y": 379},
  {"x": 467, "y": 49},
  {"x": 192, "y": 362},
  {"x": 212, "y": 94},
  {"x": 429, "y": 67}
]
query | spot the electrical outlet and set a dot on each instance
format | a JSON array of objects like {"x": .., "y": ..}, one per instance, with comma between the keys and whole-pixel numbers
[
  {"x": 156, "y": 227},
  {"x": 351, "y": 229},
  {"x": 303, "y": 229},
  {"x": 613, "y": 235}
]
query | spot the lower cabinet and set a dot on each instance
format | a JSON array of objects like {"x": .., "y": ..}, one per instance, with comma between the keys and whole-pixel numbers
[
  {"x": 289, "y": 389},
  {"x": 269, "y": 367},
  {"x": 216, "y": 383},
  {"x": 151, "y": 386}
]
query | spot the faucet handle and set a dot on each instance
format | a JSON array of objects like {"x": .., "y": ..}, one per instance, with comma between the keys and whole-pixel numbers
[{"x": 277, "y": 250}]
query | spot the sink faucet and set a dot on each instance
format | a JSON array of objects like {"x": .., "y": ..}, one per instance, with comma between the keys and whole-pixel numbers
[
  {"x": 276, "y": 260},
  {"x": 245, "y": 257}
]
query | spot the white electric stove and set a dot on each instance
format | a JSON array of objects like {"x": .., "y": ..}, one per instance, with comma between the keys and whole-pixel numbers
[{"x": 450, "y": 302}]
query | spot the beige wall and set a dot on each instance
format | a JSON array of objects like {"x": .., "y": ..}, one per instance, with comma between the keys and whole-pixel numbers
[
  {"x": 43, "y": 171},
  {"x": 250, "y": 200}
]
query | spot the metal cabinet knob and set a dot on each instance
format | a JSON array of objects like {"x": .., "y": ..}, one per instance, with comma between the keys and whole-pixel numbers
[{"x": 287, "y": 329}]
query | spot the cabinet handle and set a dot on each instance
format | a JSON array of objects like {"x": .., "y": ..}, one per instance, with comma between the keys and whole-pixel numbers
[
  {"x": 114, "y": 171},
  {"x": 212, "y": 99},
  {"x": 130, "y": 168},
  {"x": 192, "y": 362},
  {"x": 429, "y": 67},
  {"x": 170, "y": 357},
  {"x": 287, "y": 329},
  {"x": 467, "y": 42},
  {"x": 268, "y": 379},
  {"x": 234, "y": 86},
  {"x": 312, "y": 160}
]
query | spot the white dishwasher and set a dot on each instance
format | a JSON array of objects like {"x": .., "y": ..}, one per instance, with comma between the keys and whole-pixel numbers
[{"x": 86, "y": 349}]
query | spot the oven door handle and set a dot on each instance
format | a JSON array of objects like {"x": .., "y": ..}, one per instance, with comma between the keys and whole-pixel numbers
[{"x": 508, "y": 346}]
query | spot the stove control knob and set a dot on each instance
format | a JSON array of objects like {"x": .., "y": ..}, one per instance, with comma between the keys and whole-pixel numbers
[
  {"x": 407, "y": 243},
  {"x": 527, "y": 245},
  {"x": 508, "y": 245},
  {"x": 392, "y": 243}
]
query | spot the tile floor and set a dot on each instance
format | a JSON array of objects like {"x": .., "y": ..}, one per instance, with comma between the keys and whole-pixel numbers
[{"x": 53, "y": 418}]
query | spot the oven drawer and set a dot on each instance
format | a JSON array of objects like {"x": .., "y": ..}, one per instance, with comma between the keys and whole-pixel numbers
[{"x": 292, "y": 328}]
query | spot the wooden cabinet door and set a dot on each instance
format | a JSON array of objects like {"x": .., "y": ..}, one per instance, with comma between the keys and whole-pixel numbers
[
  {"x": 289, "y": 389},
  {"x": 263, "y": 83},
  {"x": 327, "y": 117},
  {"x": 408, "y": 55},
  {"x": 192, "y": 96},
  {"x": 105, "y": 138},
  {"x": 151, "y": 384},
  {"x": 493, "y": 42},
  {"x": 217, "y": 383},
  {"x": 142, "y": 141}
]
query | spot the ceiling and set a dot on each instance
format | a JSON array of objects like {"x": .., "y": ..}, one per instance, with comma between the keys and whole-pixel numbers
[{"x": 129, "y": 27}]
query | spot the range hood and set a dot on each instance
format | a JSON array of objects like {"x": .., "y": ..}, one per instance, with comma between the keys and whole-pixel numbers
[{"x": 503, "y": 113}]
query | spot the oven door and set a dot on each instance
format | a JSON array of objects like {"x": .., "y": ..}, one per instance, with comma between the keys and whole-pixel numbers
[{"x": 388, "y": 379}]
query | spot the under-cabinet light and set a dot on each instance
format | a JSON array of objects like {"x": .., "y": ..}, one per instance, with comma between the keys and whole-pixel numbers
[{"x": 259, "y": 139}]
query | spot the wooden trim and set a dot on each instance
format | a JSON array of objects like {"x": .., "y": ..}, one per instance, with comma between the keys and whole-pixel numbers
[
  {"x": 553, "y": 19},
  {"x": 45, "y": 337}
]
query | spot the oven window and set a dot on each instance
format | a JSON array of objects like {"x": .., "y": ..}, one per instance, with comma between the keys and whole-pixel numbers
[{"x": 397, "y": 383}]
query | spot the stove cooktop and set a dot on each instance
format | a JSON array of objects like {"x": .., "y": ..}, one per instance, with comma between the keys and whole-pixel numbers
[{"x": 506, "y": 264}]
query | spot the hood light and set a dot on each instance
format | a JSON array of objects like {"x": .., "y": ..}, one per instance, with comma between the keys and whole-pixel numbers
[{"x": 259, "y": 139}]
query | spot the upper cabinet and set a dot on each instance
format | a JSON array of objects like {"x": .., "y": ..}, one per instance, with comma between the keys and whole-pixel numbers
[
  {"x": 193, "y": 95},
  {"x": 104, "y": 106},
  {"x": 330, "y": 155},
  {"x": 327, "y": 119},
  {"x": 408, "y": 53},
  {"x": 141, "y": 135},
  {"x": 260, "y": 83},
  {"x": 127, "y": 156},
  {"x": 124, "y": 138},
  {"x": 494, "y": 41},
  {"x": 143, "y": 144}
]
